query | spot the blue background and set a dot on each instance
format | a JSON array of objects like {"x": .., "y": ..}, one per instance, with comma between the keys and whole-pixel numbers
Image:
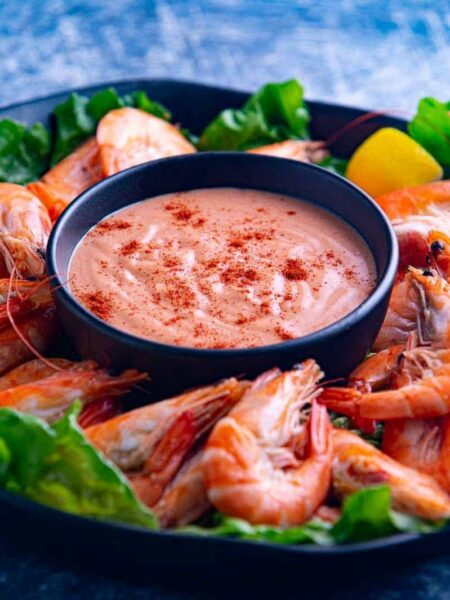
[{"x": 375, "y": 54}]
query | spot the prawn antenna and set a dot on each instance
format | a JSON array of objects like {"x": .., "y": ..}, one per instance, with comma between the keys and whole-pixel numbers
[
  {"x": 358, "y": 121},
  {"x": 20, "y": 335}
]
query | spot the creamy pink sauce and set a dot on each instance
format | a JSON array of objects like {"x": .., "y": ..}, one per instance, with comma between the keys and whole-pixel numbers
[{"x": 221, "y": 268}]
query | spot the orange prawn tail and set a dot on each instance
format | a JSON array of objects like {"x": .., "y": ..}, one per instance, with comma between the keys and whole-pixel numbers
[
  {"x": 320, "y": 429},
  {"x": 48, "y": 196},
  {"x": 69, "y": 178},
  {"x": 166, "y": 459},
  {"x": 170, "y": 452},
  {"x": 341, "y": 400}
]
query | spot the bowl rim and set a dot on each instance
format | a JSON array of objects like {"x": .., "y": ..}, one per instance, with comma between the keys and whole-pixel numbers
[{"x": 383, "y": 286}]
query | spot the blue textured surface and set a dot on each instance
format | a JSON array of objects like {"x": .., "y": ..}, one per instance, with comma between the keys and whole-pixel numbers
[
  {"x": 380, "y": 54},
  {"x": 375, "y": 53}
]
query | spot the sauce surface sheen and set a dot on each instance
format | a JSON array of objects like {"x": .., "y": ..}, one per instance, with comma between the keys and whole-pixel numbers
[{"x": 221, "y": 268}]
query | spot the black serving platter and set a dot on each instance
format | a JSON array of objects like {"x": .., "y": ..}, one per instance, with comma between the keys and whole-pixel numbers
[{"x": 34, "y": 525}]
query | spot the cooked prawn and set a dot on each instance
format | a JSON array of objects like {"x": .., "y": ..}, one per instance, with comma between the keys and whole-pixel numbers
[
  {"x": 415, "y": 443},
  {"x": 151, "y": 443},
  {"x": 49, "y": 397},
  {"x": 426, "y": 397},
  {"x": 100, "y": 410},
  {"x": 421, "y": 304},
  {"x": 184, "y": 500},
  {"x": 304, "y": 151},
  {"x": 38, "y": 328},
  {"x": 24, "y": 229},
  {"x": 35, "y": 369},
  {"x": 96, "y": 411},
  {"x": 22, "y": 298},
  {"x": 416, "y": 388},
  {"x": 422, "y": 362},
  {"x": 417, "y": 214},
  {"x": 129, "y": 137},
  {"x": 372, "y": 374},
  {"x": 375, "y": 372},
  {"x": 432, "y": 199},
  {"x": 69, "y": 178},
  {"x": 252, "y": 463},
  {"x": 439, "y": 253},
  {"x": 422, "y": 444},
  {"x": 357, "y": 465}
]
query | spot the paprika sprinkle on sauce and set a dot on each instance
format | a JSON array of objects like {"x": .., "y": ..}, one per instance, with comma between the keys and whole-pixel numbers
[
  {"x": 221, "y": 268},
  {"x": 98, "y": 303}
]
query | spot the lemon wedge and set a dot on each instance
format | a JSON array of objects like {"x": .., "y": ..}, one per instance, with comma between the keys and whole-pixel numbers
[{"x": 389, "y": 160}]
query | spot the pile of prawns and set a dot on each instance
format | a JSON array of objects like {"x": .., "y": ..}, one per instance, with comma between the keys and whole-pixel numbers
[{"x": 264, "y": 451}]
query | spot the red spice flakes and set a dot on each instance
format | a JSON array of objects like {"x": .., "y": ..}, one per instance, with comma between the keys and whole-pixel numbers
[
  {"x": 239, "y": 275},
  {"x": 294, "y": 270},
  {"x": 184, "y": 214},
  {"x": 114, "y": 225},
  {"x": 284, "y": 335},
  {"x": 180, "y": 295},
  {"x": 236, "y": 242},
  {"x": 265, "y": 308},
  {"x": 98, "y": 303},
  {"x": 238, "y": 239},
  {"x": 261, "y": 234},
  {"x": 171, "y": 262},
  {"x": 334, "y": 260},
  {"x": 212, "y": 264},
  {"x": 241, "y": 320},
  {"x": 173, "y": 320},
  {"x": 200, "y": 330},
  {"x": 130, "y": 248},
  {"x": 220, "y": 346},
  {"x": 256, "y": 235},
  {"x": 180, "y": 211},
  {"x": 291, "y": 212}
]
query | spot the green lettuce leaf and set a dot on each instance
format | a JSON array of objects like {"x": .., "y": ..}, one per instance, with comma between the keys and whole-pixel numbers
[
  {"x": 313, "y": 532},
  {"x": 334, "y": 164},
  {"x": 275, "y": 113},
  {"x": 24, "y": 152},
  {"x": 140, "y": 100},
  {"x": 366, "y": 515},
  {"x": 343, "y": 422},
  {"x": 57, "y": 466},
  {"x": 77, "y": 117},
  {"x": 431, "y": 128}
]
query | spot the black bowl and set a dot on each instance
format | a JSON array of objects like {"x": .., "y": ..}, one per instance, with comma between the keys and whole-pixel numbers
[{"x": 338, "y": 348}]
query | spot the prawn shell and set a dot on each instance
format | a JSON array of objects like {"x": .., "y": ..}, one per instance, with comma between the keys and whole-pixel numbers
[{"x": 128, "y": 137}]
